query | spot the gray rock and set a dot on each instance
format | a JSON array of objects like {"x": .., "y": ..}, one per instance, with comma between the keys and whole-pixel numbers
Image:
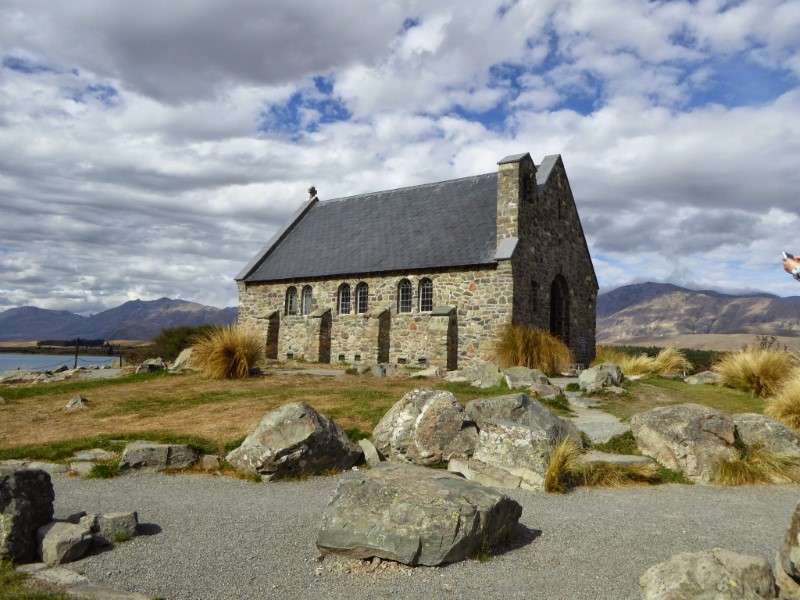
[
  {"x": 210, "y": 462},
  {"x": 76, "y": 403},
  {"x": 384, "y": 370},
  {"x": 156, "y": 457},
  {"x": 415, "y": 516},
  {"x": 81, "y": 467},
  {"x": 788, "y": 588},
  {"x": 371, "y": 456},
  {"x": 61, "y": 542},
  {"x": 52, "y": 468},
  {"x": 760, "y": 430},
  {"x": 455, "y": 377},
  {"x": 151, "y": 364},
  {"x": 716, "y": 574},
  {"x": 789, "y": 552},
  {"x": 599, "y": 426},
  {"x": 26, "y": 504},
  {"x": 521, "y": 450},
  {"x": 94, "y": 454},
  {"x": 701, "y": 378},
  {"x": 595, "y": 457},
  {"x": 686, "y": 437},
  {"x": 419, "y": 427},
  {"x": 184, "y": 360},
  {"x": 463, "y": 445},
  {"x": 522, "y": 409},
  {"x": 483, "y": 374},
  {"x": 22, "y": 376},
  {"x": 600, "y": 376},
  {"x": 109, "y": 528},
  {"x": 55, "y": 575},
  {"x": 2, "y": 400},
  {"x": 291, "y": 440},
  {"x": 523, "y": 377},
  {"x": 480, "y": 472},
  {"x": 431, "y": 372}
]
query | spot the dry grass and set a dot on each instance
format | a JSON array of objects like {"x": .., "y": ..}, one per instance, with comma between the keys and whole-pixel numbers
[
  {"x": 757, "y": 466},
  {"x": 608, "y": 354},
  {"x": 564, "y": 468},
  {"x": 759, "y": 372},
  {"x": 534, "y": 348},
  {"x": 227, "y": 352},
  {"x": 668, "y": 362},
  {"x": 671, "y": 361},
  {"x": 611, "y": 475},
  {"x": 637, "y": 365},
  {"x": 785, "y": 405}
]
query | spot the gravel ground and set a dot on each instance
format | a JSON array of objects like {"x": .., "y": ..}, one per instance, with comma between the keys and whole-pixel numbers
[{"x": 219, "y": 538}]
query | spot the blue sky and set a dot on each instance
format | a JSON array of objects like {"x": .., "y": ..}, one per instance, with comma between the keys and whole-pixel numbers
[{"x": 151, "y": 152}]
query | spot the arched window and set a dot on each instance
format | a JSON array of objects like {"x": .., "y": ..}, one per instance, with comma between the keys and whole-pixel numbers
[
  {"x": 362, "y": 298},
  {"x": 291, "y": 301},
  {"x": 344, "y": 299},
  {"x": 425, "y": 295},
  {"x": 305, "y": 301},
  {"x": 404, "y": 293}
]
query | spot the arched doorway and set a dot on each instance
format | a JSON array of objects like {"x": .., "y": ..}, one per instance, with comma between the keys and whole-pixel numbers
[{"x": 559, "y": 309}]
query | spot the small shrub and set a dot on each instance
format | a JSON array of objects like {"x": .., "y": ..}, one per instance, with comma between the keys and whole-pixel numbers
[
  {"x": 171, "y": 341},
  {"x": 227, "y": 352},
  {"x": 785, "y": 405},
  {"x": 534, "y": 348},
  {"x": 757, "y": 465},
  {"x": 351, "y": 371},
  {"x": 564, "y": 469},
  {"x": 759, "y": 372},
  {"x": 573, "y": 387}
]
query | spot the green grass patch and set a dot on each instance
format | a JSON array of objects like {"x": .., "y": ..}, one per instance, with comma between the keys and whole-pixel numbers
[
  {"x": 559, "y": 404},
  {"x": 104, "y": 470},
  {"x": 64, "y": 449},
  {"x": 666, "y": 475},
  {"x": 12, "y": 586},
  {"x": 619, "y": 444},
  {"x": 122, "y": 536},
  {"x": 233, "y": 444},
  {"x": 573, "y": 387},
  {"x": 355, "y": 434}
]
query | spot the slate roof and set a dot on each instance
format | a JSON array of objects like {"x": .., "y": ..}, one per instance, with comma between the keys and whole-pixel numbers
[{"x": 437, "y": 225}]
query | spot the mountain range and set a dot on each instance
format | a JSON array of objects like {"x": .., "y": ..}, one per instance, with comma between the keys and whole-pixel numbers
[
  {"x": 134, "y": 320},
  {"x": 642, "y": 314}
]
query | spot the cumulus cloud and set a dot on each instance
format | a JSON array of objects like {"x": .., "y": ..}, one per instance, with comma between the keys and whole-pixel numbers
[{"x": 150, "y": 151}]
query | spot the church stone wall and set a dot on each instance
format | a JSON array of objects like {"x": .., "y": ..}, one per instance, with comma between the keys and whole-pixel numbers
[{"x": 481, "y": 297}]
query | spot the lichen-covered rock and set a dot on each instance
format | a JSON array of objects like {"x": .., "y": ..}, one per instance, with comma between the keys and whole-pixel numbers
[
  {"x": 76, "y": 403},
  {"x": 522, "y": 409},
  {"x": 789, "y": 552},
  {"x": 111, "y": 528},
  {"x": 482, "y": 374},
  {"x": 716, "y": 574},
  {"x": 156, "y": 457},
  {"x": 523, "y": 377},
  {"x": 420, "y": 427},
  {"x": 61, "y": 542},
  {"x": 294, "y": 439},
  {"x": 702, "y": 378},
  {"x": 26, "y": 504},
  {"x": 151, "y": 364},
  {"x": 686, "y": 437},
  {"x": 184, "y": 360},
  {"x": 754, "y": 429},
  {"x": 600, "y": 376},
  {"x": 415, "y": 516},
  {"x": 521, "y": 450}
]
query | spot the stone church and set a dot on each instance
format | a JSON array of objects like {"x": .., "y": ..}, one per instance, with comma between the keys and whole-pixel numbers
[{"x": 426, "y": 275}]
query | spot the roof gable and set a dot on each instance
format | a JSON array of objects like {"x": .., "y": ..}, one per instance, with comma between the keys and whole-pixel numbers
[{"x": 436, "y": 225}]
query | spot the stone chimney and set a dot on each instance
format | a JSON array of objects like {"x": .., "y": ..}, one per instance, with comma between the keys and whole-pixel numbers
[
  {"x": 312, "y": 193},
  {"x": 516, "y": 184}
]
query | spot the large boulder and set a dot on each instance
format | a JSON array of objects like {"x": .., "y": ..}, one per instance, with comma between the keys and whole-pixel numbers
[
  {"x": 482, "y": 374},
  {"x": 521, "y": 450},
  {"x": 420, "y": 427},
  {"x": 760, "y": 430},
  {"x": 789, "y": 552},
  {"x": 415, "y": 516},
  {"x": 522, "y": 409},
  {"x": 686, "y": 437},
  {"x": 26, "y": 504},
  {"x": 523, "y": 377},
  {"x": 110, "y": 528},
  {"x": 294, "y": 439},
  {"x": 184, "y": 360},
  {"x": 716, "y": 574},
  {"x": 62, "y": 542},
  {"x": 156, "y": 457},
  {"x": 600, "y": 376}
]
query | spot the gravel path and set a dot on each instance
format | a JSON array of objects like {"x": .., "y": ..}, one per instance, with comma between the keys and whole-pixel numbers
[{"x": 220, "y": 538}]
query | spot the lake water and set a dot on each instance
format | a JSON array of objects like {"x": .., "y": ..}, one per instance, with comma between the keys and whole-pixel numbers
[{"x": 48, "y": 362}]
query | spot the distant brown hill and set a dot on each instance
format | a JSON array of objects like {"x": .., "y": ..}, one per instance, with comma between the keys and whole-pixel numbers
[
  {"x": 135, "y": 320},
  {"x": 652, "y": 311}
]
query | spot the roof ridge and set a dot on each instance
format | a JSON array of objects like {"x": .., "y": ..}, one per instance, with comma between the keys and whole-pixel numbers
[{"x": 409, "y": 187}]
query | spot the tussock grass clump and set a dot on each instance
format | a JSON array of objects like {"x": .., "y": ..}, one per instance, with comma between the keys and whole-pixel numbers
[
  {"x": 565, "y": 468},
  {"x": 611, "y": 475},
  {"x": 534, "y": 348},
  {"x": 227, "y": 352},
  {"x": 609, "y": 354},
  {"x": 757, "y": 465},
  {"x": 759, "y": 372},
  {"x": 671, "y": 361},
  {"x": 785, "y": 405},
  {"x": 637, "y": 365}
]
